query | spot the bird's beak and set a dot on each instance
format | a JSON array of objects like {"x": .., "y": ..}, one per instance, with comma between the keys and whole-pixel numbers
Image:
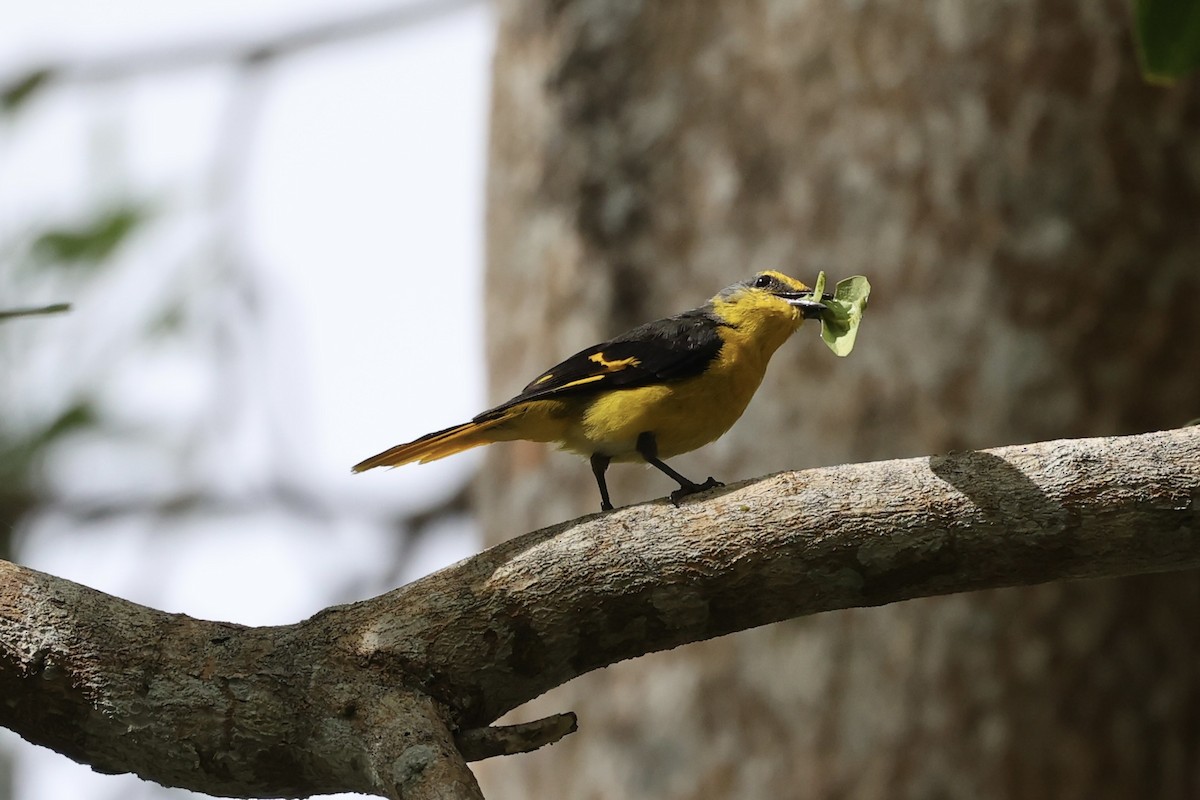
[{"x": 810, "y": 307}]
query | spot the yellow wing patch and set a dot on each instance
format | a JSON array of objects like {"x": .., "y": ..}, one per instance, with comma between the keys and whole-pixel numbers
[
  {"x": 582, "y": 381},
  {"x": 611, "y": 366},
  {"x": 605, "y": 368}
]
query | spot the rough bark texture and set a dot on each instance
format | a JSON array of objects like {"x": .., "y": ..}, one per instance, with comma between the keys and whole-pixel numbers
[
  {"x": 1026, "y": 209},
  {"x": 219, "y": 708},
  {"x": 368, "y": 697}
]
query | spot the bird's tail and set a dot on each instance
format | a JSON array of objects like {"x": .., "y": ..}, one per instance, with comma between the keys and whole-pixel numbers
[{"x": 438, "y": 444}]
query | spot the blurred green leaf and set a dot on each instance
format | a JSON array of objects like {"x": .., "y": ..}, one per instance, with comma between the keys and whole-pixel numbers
[
  {"x": 14, "y": 94},
  {"x": 1168, "y": 38},
  {"x": 92, "y": 241},
  {"x": 80, "y": 415},
  {"x": 170, "y": 321},
  {"x": 17, "y": 454}
]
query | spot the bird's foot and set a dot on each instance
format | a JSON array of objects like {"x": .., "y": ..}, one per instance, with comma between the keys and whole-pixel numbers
[{"x": 694, "y": 488}]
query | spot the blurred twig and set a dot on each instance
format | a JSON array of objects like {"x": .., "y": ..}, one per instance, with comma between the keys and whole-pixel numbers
[
  {"x": 297, "y": 500},
  {"x": 12, "y": 313},
  {"x": 459, "y": 503},
  {"x": 223, "y": 49}
]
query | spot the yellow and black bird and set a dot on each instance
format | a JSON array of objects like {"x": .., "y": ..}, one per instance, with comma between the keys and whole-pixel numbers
[{"x": 661, "y": 389}]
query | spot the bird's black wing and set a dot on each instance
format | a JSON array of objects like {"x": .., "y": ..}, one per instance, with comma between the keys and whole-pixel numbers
[{"x": 664, "y": 350}]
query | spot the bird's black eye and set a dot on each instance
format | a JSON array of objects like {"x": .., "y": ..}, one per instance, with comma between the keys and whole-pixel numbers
[{"x": 762, "y": 281}]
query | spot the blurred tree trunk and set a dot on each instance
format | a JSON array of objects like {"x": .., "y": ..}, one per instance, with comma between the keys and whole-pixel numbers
[{"x": 1027, "y": 210}]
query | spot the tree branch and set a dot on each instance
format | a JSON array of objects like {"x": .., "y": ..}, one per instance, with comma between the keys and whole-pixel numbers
[
  {"x": 227, "y": 50},
  {"x": 507, "y": 740},
  {"x": 366, "y": 697}
]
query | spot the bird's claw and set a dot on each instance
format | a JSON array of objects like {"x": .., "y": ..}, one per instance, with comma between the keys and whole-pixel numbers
[{"x": 695, "y": 488}]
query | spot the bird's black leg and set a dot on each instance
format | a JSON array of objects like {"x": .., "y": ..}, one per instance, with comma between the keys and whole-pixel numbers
[
  {"x": 647, "y": 447},
  {"x": 599, "y": 465}
]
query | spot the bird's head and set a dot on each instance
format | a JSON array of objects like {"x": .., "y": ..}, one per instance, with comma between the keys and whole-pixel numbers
[{"x": 768, "y": 299}]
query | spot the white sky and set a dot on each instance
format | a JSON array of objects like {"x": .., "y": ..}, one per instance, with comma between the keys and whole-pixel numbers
[{"x": 363, "y": 189}]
